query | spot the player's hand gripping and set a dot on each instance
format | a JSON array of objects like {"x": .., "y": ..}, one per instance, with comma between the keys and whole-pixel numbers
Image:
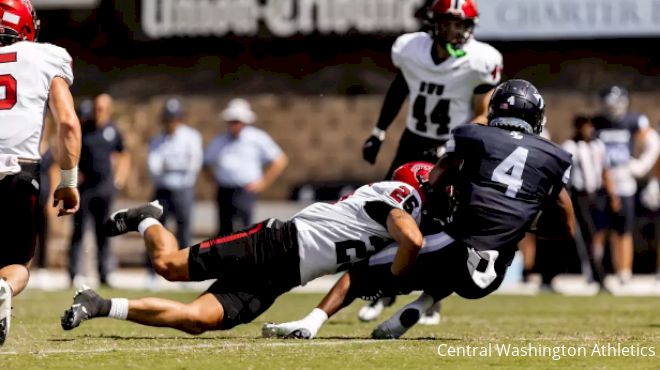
[{"x": 70, "y": 200}]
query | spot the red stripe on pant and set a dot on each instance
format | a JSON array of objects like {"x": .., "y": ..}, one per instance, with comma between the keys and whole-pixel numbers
[{"x": 231, "y": 238}]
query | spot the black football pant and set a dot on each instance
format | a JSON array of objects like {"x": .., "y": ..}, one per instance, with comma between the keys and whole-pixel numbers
[{"x": 94, "y": 204}]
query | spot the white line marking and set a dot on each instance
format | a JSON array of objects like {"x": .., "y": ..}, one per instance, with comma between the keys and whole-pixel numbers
[{"x": 265, "y": 343}]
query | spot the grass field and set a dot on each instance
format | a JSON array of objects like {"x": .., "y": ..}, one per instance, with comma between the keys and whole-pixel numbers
[{"x": 37, "y": 341}]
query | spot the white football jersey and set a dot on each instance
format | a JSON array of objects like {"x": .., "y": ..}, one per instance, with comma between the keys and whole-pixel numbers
[
  {"x": 331, "y": 237},
  {"x": 441, "y": 94},
  {"x": 26, "y": 72}
]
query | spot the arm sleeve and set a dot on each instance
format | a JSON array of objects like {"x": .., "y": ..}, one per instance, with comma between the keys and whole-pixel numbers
[
  {"x": 154, "y": 160},
  {"x": 57, "y": 63},
  {"x": 378, "y": 211},
  {"x": 210, "y": 153},
  {"x": 268, "y": 148},
  {"x": 197, "y": 152},
  {"x": 400, "y": 48},
  {"x": 489, "y": 71}
]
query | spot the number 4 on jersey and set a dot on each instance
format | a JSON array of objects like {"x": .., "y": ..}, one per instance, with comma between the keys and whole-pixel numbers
[{"x": 510, "y": 171}]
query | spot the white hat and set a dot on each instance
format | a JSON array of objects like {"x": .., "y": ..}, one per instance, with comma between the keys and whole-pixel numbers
[{"x": 239, "y": 110}]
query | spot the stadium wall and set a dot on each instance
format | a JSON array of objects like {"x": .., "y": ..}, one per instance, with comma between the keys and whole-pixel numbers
[{"x": 322, "y": 135}]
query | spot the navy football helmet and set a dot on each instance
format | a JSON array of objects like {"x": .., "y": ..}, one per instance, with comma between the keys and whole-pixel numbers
[{"x": 517, "y": 105}]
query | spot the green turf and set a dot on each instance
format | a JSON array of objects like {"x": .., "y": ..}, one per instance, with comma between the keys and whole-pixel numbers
[{"x": 37, "y": 341}]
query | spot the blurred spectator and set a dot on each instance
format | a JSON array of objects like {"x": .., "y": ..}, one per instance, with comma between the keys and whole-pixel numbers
[
  {"x": 619, "y": 129},
  {"x": 237, "y": 160},
  {"x": 104, "y": 168},
  {"x": 649, "y": 212},
  {"x": 175, "y": 158},
  {"x": 589, "y": 177}
]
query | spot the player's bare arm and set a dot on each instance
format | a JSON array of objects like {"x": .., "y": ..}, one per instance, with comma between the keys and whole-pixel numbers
[
  {"x": 396, "y": 95},
  {"x": 69, "y": 141},
  {"x": 403, "y": 228},
  {"x": 568, "y": 215}
]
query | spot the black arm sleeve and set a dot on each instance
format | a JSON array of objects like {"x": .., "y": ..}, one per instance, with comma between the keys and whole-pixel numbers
[
  {"x": 396, "y": 95},
  {"x": 378, "y": 211}
]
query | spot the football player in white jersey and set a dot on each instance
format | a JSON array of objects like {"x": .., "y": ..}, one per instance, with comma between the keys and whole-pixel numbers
[
  {"x": 255, "y": 266},
  {"x": 33, "y": 77},
  {"x": 448, "y": 78}
]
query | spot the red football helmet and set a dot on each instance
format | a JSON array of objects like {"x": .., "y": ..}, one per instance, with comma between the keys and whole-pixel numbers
[
  {"x": 415, "y": 174},
  {"x": 453, "y": 22},
  {"x": 465, "y": 9},
  {"x": 18, "y": 21}
]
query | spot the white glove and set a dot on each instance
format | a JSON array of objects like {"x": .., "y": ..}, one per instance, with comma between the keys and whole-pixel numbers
[{"x": 650, "y": 196}]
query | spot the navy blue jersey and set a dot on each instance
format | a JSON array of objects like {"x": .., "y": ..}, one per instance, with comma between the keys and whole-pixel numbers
[
  {"x": 618, "y": 134},
  {"x": 505, "y": 180}
]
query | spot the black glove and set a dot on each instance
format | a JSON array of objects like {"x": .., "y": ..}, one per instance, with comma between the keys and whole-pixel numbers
[{"x": 370, "y": 149}]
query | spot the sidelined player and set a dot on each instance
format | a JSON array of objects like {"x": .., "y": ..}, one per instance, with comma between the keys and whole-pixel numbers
[
  {"x": 255, "y": 266},
  {"x": 503, "y": 175},
  {"x": 33, "y": 76},
  {"x": 448, "y": 77}
]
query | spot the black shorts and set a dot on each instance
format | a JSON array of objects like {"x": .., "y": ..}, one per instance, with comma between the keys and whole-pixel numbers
[
  {"x": 252, "y": 267},
  {"x": 438, "y": 273},
  {"x": 19, "y": 196}
]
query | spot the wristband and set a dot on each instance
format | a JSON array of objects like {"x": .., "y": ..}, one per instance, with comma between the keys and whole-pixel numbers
[
  {"x": 68, "y": 178},
  {"x": 378, "y": 133}
]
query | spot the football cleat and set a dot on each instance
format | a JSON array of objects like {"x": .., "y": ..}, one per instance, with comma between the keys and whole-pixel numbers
[
  {"x": 371, "y": 311},
  {"x": 5, "y": 310},
  {"x": 283, "y": 331},
  {"x": 127, "y": 220},
  {"x": 86, "y": 305},
  {"x": 397, "y": 325}
]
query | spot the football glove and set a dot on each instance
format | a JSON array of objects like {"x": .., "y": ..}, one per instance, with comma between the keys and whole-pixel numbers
[{"x": 371, "y": 147}]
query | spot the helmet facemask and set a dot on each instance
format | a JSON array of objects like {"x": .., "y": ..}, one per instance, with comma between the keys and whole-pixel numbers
[{"x": 452, "y": 32}]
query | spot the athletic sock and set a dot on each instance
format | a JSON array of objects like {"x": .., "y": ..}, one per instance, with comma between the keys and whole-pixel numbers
[
  {"x": 315, "y": 320},
  {"x": 147, "y": 223},
  {"x": 118, "y": 308}
]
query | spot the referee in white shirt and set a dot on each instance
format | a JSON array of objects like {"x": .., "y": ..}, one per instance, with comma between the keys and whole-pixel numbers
[
  {"x": 589, "y": 178},
  {"x": 244, "y": 161},
  {"x": 175, "y": 159}
]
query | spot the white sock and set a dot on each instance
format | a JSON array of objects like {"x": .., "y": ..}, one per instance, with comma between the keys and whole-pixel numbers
[
  {"x": 147, "y": 223},
  {"x": 118, "y": 308},
  {"x": 312, "y": 322},
  {"x": 316, "y": 319}
]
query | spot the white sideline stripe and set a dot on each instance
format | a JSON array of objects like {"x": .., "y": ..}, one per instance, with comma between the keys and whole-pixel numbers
[{"x": 292, "y": 343}]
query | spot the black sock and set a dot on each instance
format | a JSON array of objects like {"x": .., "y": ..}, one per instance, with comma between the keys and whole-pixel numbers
[{"x": 104, "y": 307}]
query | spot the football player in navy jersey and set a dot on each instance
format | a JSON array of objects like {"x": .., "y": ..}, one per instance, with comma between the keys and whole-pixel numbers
[
  {"x": 447, "y": 76},
  {"x": 619, "y": 128},
  {"x": 503, "y": 176}
]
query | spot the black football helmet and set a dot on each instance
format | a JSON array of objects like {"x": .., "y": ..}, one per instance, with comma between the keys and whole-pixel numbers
[{"x": 517, "y": 105}]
